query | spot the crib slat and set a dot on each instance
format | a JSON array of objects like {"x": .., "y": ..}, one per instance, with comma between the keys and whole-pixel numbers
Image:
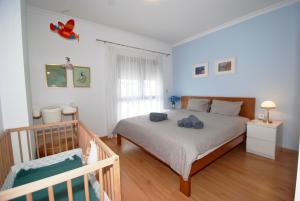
[
  {"x": 6, "y": 154},
  {"x": 51, "y": 136},
  {"x": 20, "y": 146},
  {"x": 3, "y": 156},
  {"x": 44, "y": 142},
  {"x": 72, "y": 133},
  {"x": 112, "y": 182},
  {"x": 50, "y": 193},
  {"x": 108, "y": 182},
  {"x": 9, "y": 149},
  {"x": 85, "y": 143},
  {"x": 102, "y": 154},
  {"x": 117, "y": 184},
  {"x": 59, "y": 138},
  {"x": 36, "y": 143},
  {"x": 99, "y": 153},
  {"x": 9, "y": 152},
  {"x": 70, "y": 191},
  {"x": 105, "y": 180},
  {"x": 86, "y": 188},
  {"x": 101, "y": 184},
  {"x": 29, "y": 197},
  {"x": 66, "y": 139},
  {"x": 29, "y": 145}
]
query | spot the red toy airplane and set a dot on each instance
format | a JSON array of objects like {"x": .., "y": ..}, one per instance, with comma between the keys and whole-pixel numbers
[{"x": 65, "y": 30}]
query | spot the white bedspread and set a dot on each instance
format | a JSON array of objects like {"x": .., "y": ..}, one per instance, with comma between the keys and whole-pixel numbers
[{"x": 176, "y": 146}]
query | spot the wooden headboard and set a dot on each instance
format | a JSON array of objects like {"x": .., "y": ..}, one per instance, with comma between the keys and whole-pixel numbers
[{"x": 247, "y": 109}]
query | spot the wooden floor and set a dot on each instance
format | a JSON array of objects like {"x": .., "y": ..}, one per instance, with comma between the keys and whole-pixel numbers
[{"x": 237, "y": 176}]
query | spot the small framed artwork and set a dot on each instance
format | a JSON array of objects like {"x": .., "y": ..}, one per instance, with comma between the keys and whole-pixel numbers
[
  {"x": 200, "y": 70},
  {"x": 225, "y": 66},
  {"x": 56, "y": 76},
  {"x": 81, "y": 76}
]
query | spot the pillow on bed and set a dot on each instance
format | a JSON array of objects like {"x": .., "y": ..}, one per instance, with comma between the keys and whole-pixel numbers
[
  {"x": 199, "y": 105},
  {"x": 226, "y": 107}
]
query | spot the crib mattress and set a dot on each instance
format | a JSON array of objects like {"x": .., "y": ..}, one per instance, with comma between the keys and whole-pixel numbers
[{"x": 60, "y": 190}]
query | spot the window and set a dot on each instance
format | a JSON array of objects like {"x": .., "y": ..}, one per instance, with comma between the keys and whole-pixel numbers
[{"x": 139, "y": 85}]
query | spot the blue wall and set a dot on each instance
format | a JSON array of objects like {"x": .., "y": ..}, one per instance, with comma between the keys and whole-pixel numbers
[{"x": 267, "y": 52}]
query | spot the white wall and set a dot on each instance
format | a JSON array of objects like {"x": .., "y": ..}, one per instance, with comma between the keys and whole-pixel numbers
[
  {"x": 46, "y": 47},
  {"x": 14, "y": 100},
  {"x": 25, "y": 58}
]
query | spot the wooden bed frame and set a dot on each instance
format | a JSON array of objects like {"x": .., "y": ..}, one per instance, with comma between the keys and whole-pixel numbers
[
  {"x": 247, "y": 110},
  {"x": 107, "y": 167}
]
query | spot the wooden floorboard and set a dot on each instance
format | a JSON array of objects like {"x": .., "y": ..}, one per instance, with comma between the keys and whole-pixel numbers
[{"x": 237, "y": 176}]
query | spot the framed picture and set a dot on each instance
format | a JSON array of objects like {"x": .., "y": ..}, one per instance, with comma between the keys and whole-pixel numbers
[
  {"x": 225, "y": 66},
  {"x": 56, "y": 76},
  {"x": 200, "y": 70},
  {"x": 81, "y": 76}
]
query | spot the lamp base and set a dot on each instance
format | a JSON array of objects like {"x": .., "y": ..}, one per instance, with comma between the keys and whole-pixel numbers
[{"x": 268, "y": 122}]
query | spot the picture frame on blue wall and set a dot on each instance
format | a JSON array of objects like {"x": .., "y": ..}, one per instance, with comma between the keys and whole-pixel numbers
[
  {"x": 200, "y": 70},
  {"x": 226, "y": 66}
]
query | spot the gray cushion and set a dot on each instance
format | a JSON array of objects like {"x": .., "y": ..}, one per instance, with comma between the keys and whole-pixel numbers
[
  {"x": 226, "y": 107},
  {"x": 200, "y": 105}
]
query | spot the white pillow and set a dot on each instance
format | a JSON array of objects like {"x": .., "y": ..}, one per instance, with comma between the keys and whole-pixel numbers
[
  {"x": 226, "y": 107},
  {"x": 199, "y": 105},
  {"x": 93, "y": 155}
]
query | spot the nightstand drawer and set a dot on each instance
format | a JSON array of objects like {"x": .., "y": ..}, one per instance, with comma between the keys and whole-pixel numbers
[
  {"x": 261, "y": 147},
  {"x": 261, "y": 132}
]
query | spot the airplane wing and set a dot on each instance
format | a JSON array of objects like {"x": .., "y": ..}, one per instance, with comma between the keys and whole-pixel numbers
[{"x": 69, "y": 25}]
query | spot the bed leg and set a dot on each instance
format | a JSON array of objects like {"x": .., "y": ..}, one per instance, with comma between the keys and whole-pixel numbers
[
  {"x": 185, "y": 186},
  {"x": 119, "y": 139}
]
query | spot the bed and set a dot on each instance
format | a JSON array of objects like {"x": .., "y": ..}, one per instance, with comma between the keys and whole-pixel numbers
[
  {"x": 61, "y": 176},
  {"x": 187, "y": 151}
]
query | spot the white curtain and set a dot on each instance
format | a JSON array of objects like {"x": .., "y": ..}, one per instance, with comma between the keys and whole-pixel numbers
[{"x": 134, "y": 84}]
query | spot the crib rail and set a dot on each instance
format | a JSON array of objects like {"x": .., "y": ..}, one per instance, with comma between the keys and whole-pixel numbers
[
  {"x": 39, "y": 141},
  {"x": 42, "y": 140}
]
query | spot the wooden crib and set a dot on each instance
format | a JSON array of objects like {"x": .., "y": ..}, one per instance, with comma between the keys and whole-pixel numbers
[{"x": 106, "y": 168}]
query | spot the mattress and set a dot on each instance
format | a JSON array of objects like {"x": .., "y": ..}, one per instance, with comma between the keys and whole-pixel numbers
[
  {"x": 180, "y": 147},
  {"x": 34, "y": 170},
  {"x": 213, "y": 149}
]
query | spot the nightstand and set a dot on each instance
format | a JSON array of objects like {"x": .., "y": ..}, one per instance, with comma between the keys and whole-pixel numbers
[{"x": 262, "y": 138}]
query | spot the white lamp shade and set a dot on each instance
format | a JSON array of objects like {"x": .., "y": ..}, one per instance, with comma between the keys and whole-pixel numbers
[{"x": 268, "y": 105}]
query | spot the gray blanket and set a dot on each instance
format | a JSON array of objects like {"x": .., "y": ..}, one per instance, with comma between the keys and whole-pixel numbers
[{"x": 179, "y": 147}]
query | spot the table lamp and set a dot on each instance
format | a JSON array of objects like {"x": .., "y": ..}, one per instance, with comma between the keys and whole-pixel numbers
[{"x": 268, "y": 105}]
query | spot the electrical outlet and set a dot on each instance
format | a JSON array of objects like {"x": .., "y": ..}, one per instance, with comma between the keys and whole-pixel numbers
[{"x": 261, "y": 116}]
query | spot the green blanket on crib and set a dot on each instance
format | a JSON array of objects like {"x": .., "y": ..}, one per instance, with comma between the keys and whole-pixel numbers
[{"x": 60, "y": 190}]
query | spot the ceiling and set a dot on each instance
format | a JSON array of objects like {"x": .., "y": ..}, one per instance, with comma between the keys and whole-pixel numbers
[{"x": 170, "y": 21}]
